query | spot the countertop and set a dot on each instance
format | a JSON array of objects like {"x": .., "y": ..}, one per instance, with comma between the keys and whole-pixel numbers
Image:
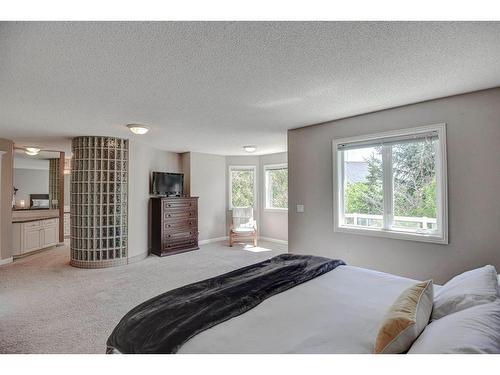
[{"x": 28, "y": 219}]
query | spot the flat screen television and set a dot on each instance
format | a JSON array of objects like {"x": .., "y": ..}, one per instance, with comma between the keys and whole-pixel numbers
[{"x": 169, "y": 184}]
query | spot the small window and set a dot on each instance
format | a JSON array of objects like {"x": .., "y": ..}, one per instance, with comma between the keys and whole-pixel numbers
[
  {"x": 242, "y": 185},
  {"x": 276, "y": 179},
  {"x": 393, "y": 184}
]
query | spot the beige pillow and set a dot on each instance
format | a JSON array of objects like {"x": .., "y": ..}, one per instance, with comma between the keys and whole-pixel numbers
[{"x": 406, "y": 319}]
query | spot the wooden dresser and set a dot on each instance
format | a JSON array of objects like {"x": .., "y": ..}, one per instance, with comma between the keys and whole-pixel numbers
[{"x": 174, "y": 225}]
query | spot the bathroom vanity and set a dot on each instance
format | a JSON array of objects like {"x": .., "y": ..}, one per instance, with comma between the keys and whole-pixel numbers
[{"x": 34, "y": 232}]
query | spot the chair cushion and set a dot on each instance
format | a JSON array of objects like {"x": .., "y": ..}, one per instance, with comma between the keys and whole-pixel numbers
[{"x": 243, "y": 230}]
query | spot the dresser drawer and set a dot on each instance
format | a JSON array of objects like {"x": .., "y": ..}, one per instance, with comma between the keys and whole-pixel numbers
[
  {"x": 179, "y": 244},
  {"x": 174, "y": 225},
  {"x": 170, "y": 216},
  {"x": 181, "y": 204},
  {"x": 181, "y": 233}
]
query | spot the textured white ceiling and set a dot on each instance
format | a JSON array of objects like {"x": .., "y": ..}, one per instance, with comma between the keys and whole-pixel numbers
[{"x": 214, "y": 87}]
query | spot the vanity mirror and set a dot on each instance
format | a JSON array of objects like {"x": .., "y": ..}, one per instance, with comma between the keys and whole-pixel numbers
[{"x": 36, "y": 180}]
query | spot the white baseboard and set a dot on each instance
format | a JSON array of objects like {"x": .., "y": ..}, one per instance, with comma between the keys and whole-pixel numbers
[
  {"x": 283, "y": 242},
  {"x": 6, "y": 261},
  {"x": 210, "y": 240},
  {"x": 226, "y": 238}
]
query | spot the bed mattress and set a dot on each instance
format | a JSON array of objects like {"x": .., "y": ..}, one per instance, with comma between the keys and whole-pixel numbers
[{"x": 338, "y": 312}]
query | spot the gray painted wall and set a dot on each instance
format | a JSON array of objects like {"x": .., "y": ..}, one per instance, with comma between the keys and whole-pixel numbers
[
  {"x": 473, "y": 145},
  {"x": 274, "y": 224},
  {"x": 207, "y": 181},
  {"x": 31, "y": 181},
  {"x": 186, "y": 169},
  {"x": 6, "y": 198},
  {"x": 142, "y": 161}
]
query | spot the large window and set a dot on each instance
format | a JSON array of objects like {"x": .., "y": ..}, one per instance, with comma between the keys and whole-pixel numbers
[
  {"x": 276, "y": 185},
  {"x": 393, "y": 184},
  {"x": 242, "y": 185}
]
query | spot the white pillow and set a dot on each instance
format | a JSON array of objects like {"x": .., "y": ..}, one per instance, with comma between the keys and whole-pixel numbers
[
  {"x": 468, "y": 289},
  {"x": 40, "y": 203},
  {"x": 473, "y": 330}
]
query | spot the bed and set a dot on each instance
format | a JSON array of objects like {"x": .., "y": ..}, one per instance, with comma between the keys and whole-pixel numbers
[
  {"x": 347, "y": 303},
  {"x": 339, "y": 311}
]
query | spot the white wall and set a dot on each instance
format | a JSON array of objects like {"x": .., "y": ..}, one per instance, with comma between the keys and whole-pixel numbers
[
  {"x": 30, "y": 181},
  {"x": 270, "y": 224},
  {"x": 473, "y": 145},
  {"x": 142, "y": 161},
  {"x": 67, "y": 190},
  {"x": 207, "y": 181},
  {"x": 25, "y": 162}
]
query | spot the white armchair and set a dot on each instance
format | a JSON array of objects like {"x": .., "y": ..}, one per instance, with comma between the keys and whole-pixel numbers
[{"x": 243, "y": 225}]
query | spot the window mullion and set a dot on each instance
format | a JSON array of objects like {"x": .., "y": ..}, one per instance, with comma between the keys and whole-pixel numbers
[
  {"x": 388, "y": 187},
  {"x": 341, "y": 187},
  {"x": 269, "y": 198}
]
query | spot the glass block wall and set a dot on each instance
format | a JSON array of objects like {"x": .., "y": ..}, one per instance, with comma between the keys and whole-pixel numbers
[
  {"x": 54, "y": 182},
  {"x": 99, "y": 181}
]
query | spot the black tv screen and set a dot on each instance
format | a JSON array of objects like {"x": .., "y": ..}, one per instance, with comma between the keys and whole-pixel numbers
[{"x": 167, "y": 183}]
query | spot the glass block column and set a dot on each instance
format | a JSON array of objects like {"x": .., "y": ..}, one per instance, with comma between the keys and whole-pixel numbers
[
  {"x": 99, "y": 181},
  {"x": 54, "y": 182}
]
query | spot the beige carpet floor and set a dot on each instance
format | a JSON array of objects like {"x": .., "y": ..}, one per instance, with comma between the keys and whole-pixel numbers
[{"x": 47, "y": 306}]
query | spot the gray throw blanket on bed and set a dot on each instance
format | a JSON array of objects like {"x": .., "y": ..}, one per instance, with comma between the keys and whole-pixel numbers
[{"x": 165, "y": 322}]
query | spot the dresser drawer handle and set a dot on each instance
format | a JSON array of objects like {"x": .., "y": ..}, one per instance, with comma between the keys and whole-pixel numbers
[
  {"x": 169, "y": 225},
  {"x": 169, "y": 215}
]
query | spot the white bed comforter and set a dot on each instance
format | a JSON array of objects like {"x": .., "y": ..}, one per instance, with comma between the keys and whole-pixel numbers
[{"x": 338, "y": 312}]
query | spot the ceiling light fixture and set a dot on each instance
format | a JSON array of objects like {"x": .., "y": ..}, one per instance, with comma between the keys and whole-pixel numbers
[
  {"x": 32, "y": 151},
  {"x": 250, "y": 149},
  {"x": 138, "y": 129}
]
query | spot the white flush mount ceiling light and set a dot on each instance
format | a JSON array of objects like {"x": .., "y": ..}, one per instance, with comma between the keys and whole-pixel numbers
[
  {"x": 250, "y": 148},
  {"x": 138, "y": 129},
  {"x": 32, "y": 151}
]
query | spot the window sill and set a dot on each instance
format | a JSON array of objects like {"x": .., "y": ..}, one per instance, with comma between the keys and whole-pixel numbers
[
  {"x": 399, "y": 235},
  {"x": 275, "y": 209}
]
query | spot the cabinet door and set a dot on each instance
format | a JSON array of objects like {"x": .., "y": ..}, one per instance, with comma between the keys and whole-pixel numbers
[
  {"x": 16, "y": 238},
  {"x": 50, "y": 236},
  {"x": 31, "y": 239}
]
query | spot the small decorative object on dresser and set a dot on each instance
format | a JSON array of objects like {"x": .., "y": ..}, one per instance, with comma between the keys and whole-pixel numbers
[{"x": 174, "y": 225}]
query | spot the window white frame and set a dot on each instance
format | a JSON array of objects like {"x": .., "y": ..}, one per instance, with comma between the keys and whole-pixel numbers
[
  {"x": 252, "y": 168},
  {"x": 386, "y": 231},
  {"x": 267, "y": 187}
]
